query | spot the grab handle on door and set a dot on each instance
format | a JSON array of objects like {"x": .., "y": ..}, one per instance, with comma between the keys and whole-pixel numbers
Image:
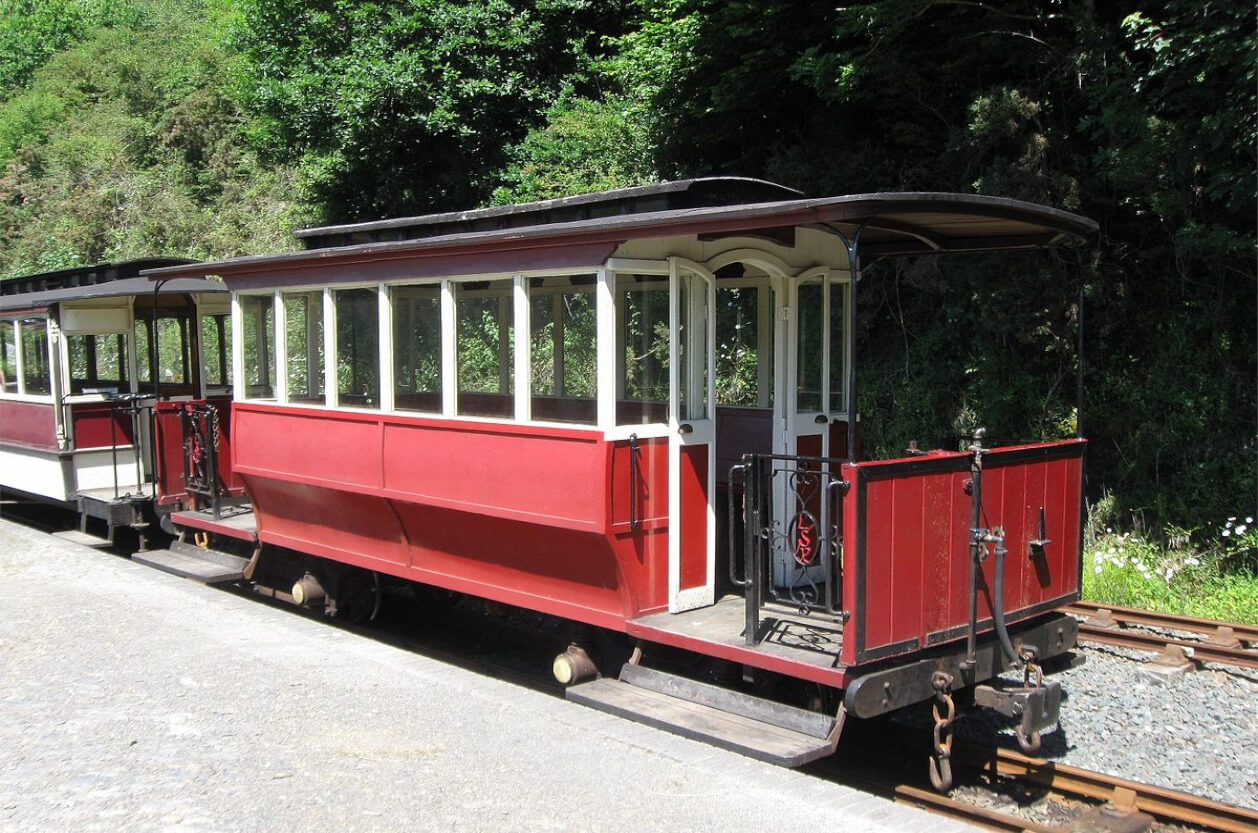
[
  {"x": 685, "y": 428},
  {"x": 821, "y": 419}
]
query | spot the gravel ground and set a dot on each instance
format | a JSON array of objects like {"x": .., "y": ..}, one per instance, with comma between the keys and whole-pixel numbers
[{"x": 1196, "y": 731}]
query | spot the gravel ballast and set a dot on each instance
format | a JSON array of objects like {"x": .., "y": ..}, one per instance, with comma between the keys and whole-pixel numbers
[{"x": 1195, "y": 731}]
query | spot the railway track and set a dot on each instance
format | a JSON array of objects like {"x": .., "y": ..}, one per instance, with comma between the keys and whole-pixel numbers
[
  {"x": 1124, "y": 800},
  {"x": 1219, "y": 642}
]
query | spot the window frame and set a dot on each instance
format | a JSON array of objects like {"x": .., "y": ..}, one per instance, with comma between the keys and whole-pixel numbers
[
  {"x": 52, "y": 357},
  {"x": 607, "y": 316}
]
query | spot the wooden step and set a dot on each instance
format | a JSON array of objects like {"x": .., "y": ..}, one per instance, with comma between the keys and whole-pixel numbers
[
  {"x": 752, "y": 726},
  {"x": 86, "y": 539},
  {"x": 204, "y": 565}
]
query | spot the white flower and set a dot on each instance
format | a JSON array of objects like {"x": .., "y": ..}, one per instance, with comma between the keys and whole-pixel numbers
[
  {"x": 1229, "y": 520},
  {"x": 1240, "y": 530},
  {"x": 1097, "y": 568},
  {"x": 1249, "y": 520},
  {"x": 1112, "y": 550},
  {"x": 1109, "y": 531},
  {"x": 1191, "y": 561},
  {"x": 1227, "y": 533}
]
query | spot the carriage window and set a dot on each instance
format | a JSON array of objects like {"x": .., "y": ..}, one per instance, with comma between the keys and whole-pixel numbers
[
  {"x": 692, "y": 346},
  {"x": 642, "y": 343},
  {"x": 303, "y": 321},
  {"x": 8, "y": 357},
  {"x": 172, "y": 349},
  {"x": 357, "y": 348},
  {"x": 738, "y": 370},
  {"x": 484, "y": 347},
  {"x": 417, "y": 348},
  {"x": 259, "y": 346},
  {"x": 216, "y": 350},
  {"x": 838, "y": 368},
  {"x": 172, "y": 344},
  {"x": 98, "y": 363},
  {"x": 809, "y": 344},
  {"x": 562, "y": 349},
  {"x": 35, "y": 373}
]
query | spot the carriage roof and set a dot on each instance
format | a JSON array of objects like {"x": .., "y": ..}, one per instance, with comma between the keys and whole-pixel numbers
[
  {"x": 101, "y": 280},
  {"x": 587, "y": 228}
]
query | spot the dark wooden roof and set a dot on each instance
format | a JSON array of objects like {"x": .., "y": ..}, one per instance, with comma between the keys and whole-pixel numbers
[
  {"x": 102, "y": 280},
  {"x": 879, "y": 224},
  {"x": 642, "y": 199}
]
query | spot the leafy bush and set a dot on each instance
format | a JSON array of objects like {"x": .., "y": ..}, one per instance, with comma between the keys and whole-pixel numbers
[{"x": 1216, "y": 579}]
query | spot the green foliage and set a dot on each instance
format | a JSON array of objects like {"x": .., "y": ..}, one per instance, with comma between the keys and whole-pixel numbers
[
  {"x": 128, "y": 144},
  {"x": 404, "y": 107},
  {"x": 32, "y": 31},
  {"x": 1215, "y": 579},
  {"x": 585, "y": 145}
]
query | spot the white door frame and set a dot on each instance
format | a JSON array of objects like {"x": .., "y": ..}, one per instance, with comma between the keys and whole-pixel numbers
[{"x": 691, "y": 429}]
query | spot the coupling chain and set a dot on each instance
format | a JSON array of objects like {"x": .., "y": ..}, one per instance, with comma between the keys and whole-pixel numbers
[
  {"x": 1032, "y": 680},
  {"x": 943, "y": 710},
  {"x": 1031, "y": 667}
]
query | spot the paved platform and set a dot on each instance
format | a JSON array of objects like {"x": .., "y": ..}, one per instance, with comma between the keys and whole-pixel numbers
[{"x": 134, "y": 700}]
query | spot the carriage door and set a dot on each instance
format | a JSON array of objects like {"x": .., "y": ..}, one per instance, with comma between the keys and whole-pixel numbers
[
  {"x": 692, "y": 443},
  {"x": 805, "y": 404}
]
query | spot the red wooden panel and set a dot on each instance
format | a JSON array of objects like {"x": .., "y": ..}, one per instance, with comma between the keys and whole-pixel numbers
[
  {"x": 651, "y": 490},
  {"x": 906, "y": 543},
  {"x": 315, "y": 446},
  {"x": 332, "y": 522},
  {"x": 693, "y": 488},
  {"x": 32, "y": 424},
  {"x": 879, "y": 532},
  {"x": 740, "y": 431},
  {"x": 541, "y": 562},
  {"x": 170, "y": 462},
  {"x": 909, "y": 580},
  {"x": 808, "y": 445},
  {"x": 838, "y": 438},
  {"x": 557, "y": 476},
  {"x": 169, "y": 447},
  {"x": 92, "y": 429}
]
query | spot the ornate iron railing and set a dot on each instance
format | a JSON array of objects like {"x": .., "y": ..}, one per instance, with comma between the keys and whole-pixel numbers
[
  {"x": 202, "y": 436},
  {"x": 792, "y": 535}
]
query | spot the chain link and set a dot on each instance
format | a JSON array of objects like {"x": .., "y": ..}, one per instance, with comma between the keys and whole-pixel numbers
[{"x": 941, "y": 760}]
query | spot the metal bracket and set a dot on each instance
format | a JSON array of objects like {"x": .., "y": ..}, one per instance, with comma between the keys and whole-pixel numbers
[
  {"x": 1038, "y": 707},
  {"x": 1035, "y": 547}
]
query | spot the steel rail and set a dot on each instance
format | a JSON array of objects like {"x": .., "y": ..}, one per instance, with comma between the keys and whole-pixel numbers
[
  {"x": 1194, "y": 651},
  {"x": 1224, "y": 645},
  {"x": 1171, "y": 621},
  {"x": 942, "y": 805},
  {"x": 1126, "y": 795}
]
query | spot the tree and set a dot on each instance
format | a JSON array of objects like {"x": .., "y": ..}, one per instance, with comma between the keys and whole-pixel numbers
[{"x": 407, "y": 106}]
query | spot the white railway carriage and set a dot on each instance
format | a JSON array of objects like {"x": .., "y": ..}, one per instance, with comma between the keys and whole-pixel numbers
[{"x": 85, "y": 353}]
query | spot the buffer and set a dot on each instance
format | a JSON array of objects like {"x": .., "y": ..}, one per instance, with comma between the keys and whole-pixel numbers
[{"x": 752, "y": 726}]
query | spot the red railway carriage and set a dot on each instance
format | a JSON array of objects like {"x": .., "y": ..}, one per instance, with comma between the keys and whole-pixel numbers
[
  {"x": 633, "y": 410},
  {"x": 86, "y": 353}
]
